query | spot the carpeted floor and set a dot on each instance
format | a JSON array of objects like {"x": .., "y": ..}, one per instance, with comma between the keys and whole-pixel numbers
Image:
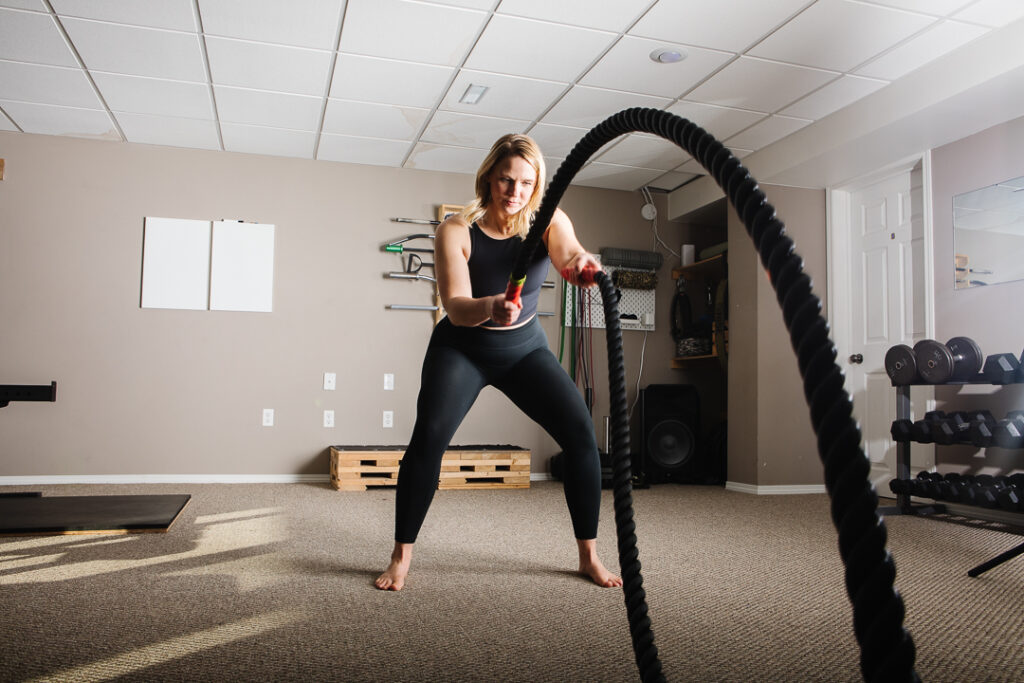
[{"x": 273, "y": 583}]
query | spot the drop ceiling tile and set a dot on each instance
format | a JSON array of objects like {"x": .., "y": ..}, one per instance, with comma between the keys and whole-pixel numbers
[
  {"x": 345, "y": 117},
  {"x": 607, "y": 16},
  {"x": 268, "y": 67},
  {"x": 239, "y": 137},
  {"x": 614, "y": 177},
  {"x": 138, "y": 51},
  {"x": 6, "y": 123},
  {"x": 507, "y": 96},
  {"x": 551, "y": 165},
  {"x": 415, "y": 31},
  {"x": 169, "y": 130},
  {"x": 585, "y": 107},
  {"x": 767, "y": 131},
  {"x": 47, "y": 85},
  {"x": 556, "y": 141},
  {"x": 48, "y": 119},
  {"x": 359, "y": 150},
  {"x": 171, "y": 14},
  {"x": 921, "y": 49},
  {"x": 937, "y": 8},
  {"x": 994, "y": 13},
  {"x": 430, "y": 157},
  {"x": 759, "y": 85},
  {"x": 33, "y": 37},
  {"x": 839, "y": 34},
  {"x": 465, "y": 130},
  {"x": 541, "y": 50},
  {"x": 671, "y": 180},
  {"x": 160, "y": 97},
  {"x": 721, "y": 122},
  {"x": 646, "y": 151},
  {"x": 628, "y": 66},
  {"x": 486, "y": 5},
  {"x": 310, "y": 23},
  {"x": 732, "y": 25},
  {"x": 389, "y": 81},
  {"x": 272, "y": 109},
  {"x": 834, "y": 96},
  {"x": 37, "y": 5}
]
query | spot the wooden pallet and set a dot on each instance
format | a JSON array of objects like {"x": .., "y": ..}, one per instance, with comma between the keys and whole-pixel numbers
[
  {"x": 355, "y": 468},
  {"x": 465, "y": 469}
]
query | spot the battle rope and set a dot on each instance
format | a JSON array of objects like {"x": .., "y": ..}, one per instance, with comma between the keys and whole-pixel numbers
[{"x": 886, "y": 648}]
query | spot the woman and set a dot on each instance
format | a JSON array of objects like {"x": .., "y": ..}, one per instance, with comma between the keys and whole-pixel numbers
[{"x": 488, "y": 340}]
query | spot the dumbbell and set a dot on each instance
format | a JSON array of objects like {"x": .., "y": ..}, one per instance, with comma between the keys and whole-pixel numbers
[
  {"x": 981, "y": 432},
  {"x": 900, "y": 365},
  {"x": 958, "y": 360},
  {"x": 1009, "y": 433},
  {"x": 921, "y": 430},
  {"x": 924, "y": 484},
  {"x": 902, "y": 430},
  {"x": 950, "y": 486},
  {"x": 970, "y": 492},
  {"x": 949, "y": 430},
  {"x": 900, "y": 486},
  {"x": 1012, "y": 497},
  {"x": 958, "y": 426},
  {"x": 988, "y": 495},
  {"x": 1002, "y": 368}
]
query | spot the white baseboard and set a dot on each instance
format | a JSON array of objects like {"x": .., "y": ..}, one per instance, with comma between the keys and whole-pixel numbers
[
  {"x": 165, "y": 479},
  {"x": 781, "y": 490}
]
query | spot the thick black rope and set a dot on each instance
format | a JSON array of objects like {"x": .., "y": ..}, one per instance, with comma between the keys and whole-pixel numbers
[{"x": 887, "y": 649}]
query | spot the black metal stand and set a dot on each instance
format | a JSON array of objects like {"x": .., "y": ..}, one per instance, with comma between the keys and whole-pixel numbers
[
  {"x": 903, "y": 505},
  {"x": 997, "y": 560}
]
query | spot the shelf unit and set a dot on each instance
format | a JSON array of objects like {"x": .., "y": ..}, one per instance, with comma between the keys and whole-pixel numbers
[
  {"x": 904, "y": 506},
  {"x": 713, "y": 269}
]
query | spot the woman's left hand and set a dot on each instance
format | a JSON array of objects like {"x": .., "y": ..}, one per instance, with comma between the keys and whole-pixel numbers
[{"x": 581, "y": 269}]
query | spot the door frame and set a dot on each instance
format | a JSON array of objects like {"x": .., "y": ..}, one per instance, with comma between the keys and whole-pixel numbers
[{"x": 837, "y": 244}]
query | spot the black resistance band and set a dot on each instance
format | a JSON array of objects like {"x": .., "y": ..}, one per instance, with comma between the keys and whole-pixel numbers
[{"x": 887, "y": 649}]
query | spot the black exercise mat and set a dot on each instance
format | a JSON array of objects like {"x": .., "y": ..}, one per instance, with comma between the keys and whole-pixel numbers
[{"x": 89, "y": 514}]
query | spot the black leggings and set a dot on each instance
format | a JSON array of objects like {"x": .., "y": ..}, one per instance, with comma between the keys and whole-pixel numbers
[{"x": 459, "y": 363}]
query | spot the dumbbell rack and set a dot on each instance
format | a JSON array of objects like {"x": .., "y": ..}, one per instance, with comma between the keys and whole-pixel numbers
[{"x": 903, "y": 504}]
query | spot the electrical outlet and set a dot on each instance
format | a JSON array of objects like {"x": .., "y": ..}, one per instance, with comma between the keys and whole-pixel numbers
[
  {"x": 389, "y": 382},
  {"x": 328, "y": 418},
  {"x": 330, "y": 381},
  {"x": 268, "y": 417},
  {"x": 389, "y": 419}
]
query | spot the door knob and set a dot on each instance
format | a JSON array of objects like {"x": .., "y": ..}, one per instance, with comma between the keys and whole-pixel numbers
[{"x": 856, "y": 358}]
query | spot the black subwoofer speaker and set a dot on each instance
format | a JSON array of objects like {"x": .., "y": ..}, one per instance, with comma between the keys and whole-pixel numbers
[{"x": 670, "y": 446}]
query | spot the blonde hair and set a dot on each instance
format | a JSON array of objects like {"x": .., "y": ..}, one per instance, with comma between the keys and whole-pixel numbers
[{"x": 510, "y": 145}]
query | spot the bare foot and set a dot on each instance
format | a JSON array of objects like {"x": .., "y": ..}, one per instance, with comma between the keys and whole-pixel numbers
[
  {"x": 591, "y": 566},
  {"x": 393, "y": 578},
  {"x": 599, "y": 575}
]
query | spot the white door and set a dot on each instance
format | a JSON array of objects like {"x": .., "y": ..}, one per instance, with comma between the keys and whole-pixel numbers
[{"x": 880, "y": 286}]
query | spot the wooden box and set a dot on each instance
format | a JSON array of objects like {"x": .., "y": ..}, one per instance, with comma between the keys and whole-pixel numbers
[{"x": 357, "y": 468}]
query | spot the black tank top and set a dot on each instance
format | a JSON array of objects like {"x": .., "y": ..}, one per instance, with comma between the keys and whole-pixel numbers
[{"x": 491, "y": 262}]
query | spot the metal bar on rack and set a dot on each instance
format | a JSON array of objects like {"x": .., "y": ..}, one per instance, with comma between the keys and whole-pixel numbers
[
  {"x": 418, "y": 221},
  {"x": 410, "y": 276}
]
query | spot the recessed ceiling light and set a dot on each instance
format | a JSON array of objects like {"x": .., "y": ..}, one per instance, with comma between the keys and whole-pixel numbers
[
  {"x": 665, "y": 55},
  {"x": 473, "y": 94}
]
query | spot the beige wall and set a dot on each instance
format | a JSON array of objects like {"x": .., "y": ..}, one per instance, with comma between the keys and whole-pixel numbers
[
  {"x": 771, "y": 441},
  {"x": 989, "y": 315},
  {"x": 161, "y": 392}
]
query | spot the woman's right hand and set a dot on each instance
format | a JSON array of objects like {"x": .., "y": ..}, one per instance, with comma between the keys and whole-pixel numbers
[{"x": 503, "y": 311}]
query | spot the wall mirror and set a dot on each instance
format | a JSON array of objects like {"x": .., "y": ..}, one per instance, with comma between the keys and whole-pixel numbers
[{"x": 988, "y": 234}]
